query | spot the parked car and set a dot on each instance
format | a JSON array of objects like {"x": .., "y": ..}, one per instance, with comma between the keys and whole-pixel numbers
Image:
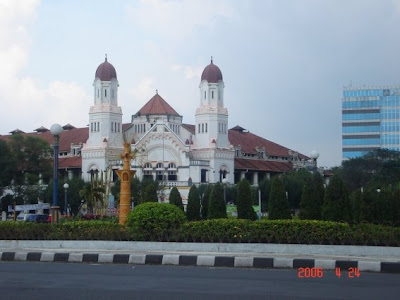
[{"x": 36, "y": 218}]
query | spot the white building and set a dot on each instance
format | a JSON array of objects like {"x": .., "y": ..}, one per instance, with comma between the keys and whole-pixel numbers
[{"x": 167, "y": 149}]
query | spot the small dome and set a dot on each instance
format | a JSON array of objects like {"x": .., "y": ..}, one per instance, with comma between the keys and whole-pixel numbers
[
  {"x": 211, "y": 73},
  {"x": 106, "y": 71}
]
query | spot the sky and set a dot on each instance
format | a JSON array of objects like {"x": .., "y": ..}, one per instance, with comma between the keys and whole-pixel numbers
[{"x": 284, "y": 62}]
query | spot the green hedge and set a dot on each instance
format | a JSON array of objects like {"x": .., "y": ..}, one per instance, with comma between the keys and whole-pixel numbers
[
  {"x": 79, "y": 230},
  {"x": 156, "y": 221},
  {"x": 218, "y": 230}
]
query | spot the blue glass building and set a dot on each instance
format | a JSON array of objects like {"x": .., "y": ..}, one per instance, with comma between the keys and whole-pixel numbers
[{"x": 370, "y": 120}]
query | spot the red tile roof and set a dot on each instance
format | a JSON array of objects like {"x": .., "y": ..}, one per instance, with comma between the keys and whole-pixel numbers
[
  {"x": 70, "y": 162},
  {"x": 157, "y": 106},
  {"x": 249, "y": 141},
  {"x": 75, "y": 136},
  {"x": 263, "y": 165},
  {"x": 189, "y": 127}
]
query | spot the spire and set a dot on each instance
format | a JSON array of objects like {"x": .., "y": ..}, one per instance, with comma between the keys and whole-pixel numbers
[
  {"x": 211, "y": 59},
  {"x": 157, "y": 92},
  {"x": 106, "y": 57}
]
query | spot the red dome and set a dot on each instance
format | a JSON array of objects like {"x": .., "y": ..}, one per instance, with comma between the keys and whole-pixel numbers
[
  {"x": 211, "y": 73},
  {"x": 106, "y": 71}
]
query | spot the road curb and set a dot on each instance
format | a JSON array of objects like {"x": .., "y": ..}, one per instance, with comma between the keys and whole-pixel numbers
[{"x": 201, "y": 260}]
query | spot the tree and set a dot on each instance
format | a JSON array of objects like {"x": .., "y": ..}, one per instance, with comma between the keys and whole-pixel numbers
[
  {"x": 265, "y": 187},
  {"x": 336, "y": 205},
  {"x": 312, "y": 198},
  {"x": 244, "y": 201},
  {"x": 355, "y": 201},
  {"x": 380, "y": 167},
  {"x": 31, "y": 159},
  {"x": 150, "y": 193},
  {"x": 74, "y": 196},
  {"x": 7, "y": 166},
  {"x": 193, "y": 206},
  {"x": 278, "y": 206},
  {"x": 205, "y": 202},
  {"x": 294, "y": 182},
  {"x": 175, "y": 198},
  {"x": 380, "y": 205},
  {"x": 216, "y": 205},
  {"x": 92, "y": 194}
]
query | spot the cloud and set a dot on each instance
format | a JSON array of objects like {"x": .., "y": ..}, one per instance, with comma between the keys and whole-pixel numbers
[
  {"x": 178, "y": 18},
  {"x": 189, "y": 72},
  {"x": 143, "y": 89},
  {"x": 32, "y": 104}
]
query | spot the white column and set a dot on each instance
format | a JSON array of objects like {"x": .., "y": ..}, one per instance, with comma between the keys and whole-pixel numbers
[{"x": 255, "y": 178}]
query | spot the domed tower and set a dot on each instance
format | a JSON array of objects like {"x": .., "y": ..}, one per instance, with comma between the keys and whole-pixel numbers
[
  {"x": 105, "y": 116},
  {"x": 211, "y": 141},
  {"x": 105, "y": 123},
  {"x": 211, "y": 115}
]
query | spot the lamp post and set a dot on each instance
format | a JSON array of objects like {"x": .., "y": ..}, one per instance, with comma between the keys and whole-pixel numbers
[
  {"x": 314, "y": 155},
  {"x": 55, "y": 130},
  {"x": 66, "y": 186},
  {"x": 224, "y": 181}
]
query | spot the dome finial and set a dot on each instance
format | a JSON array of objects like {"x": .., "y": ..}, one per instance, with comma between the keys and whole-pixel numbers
[
  {"x": 106, "y": 57},
  {"x": 211, "y": 59},
  {"x": 157, "y": 92}
]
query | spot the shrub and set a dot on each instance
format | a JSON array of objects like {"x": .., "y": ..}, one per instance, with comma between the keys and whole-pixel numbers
[
  {"x": 244, "y": 202},
  {"x": 216, "y": 205},
  {"x": 155, "y": 221},
  {"x": 205, "y": 202},
  {"x": 150, "y": 193},
  {"x": 336, "y": 205},
  {"x": 278, "y": 205},
  {"x": 175, "y": 198},
  {"x": 312, "y": 198},
  {"x": 193, "y": 206}
]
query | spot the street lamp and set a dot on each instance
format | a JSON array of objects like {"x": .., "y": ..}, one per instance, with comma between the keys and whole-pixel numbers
[
  {"x": 55, "y": 130},
  {"x": 314, "y": 155},
  {"x": 66, "y": 186},
  {"x": 224, "y": 181}
]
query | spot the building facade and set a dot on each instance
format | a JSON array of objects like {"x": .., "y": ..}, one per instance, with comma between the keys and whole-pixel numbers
[
  {"x": 370, "y": 120},
  {"x": 167, "y": 149}
]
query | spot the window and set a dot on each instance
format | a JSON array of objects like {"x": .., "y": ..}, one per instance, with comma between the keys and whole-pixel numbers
[
  {"x": 112, "y": 126},
  {"x": 212, "y": 94},
  {"x": 205, "y": 95},
  {"x": 112, "y": 93},
  {"x": 202, "y": 128},
  {"x": 206, "y": 127},
  {"x": 119, "y": 127},
  {"x": 105, "y": 93},
  {"x": 98, "y": 93},
  {"x": 159, "y": 166},
  {"x": 91, "y": 126},
  {"x": 199, "y": 129},
  {"x": 147, "y": 166}
]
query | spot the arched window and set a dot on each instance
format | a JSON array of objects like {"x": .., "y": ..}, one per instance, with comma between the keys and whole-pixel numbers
[
  {"x": 147, "y": 166},
  {"x": 160, "y": 166}
]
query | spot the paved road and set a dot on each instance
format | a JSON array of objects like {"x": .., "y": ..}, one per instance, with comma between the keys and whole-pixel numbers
[{"x": 93, "y": 281}]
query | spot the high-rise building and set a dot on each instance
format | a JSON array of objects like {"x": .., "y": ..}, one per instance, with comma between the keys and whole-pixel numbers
[{"x": 370, "y": 119}]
